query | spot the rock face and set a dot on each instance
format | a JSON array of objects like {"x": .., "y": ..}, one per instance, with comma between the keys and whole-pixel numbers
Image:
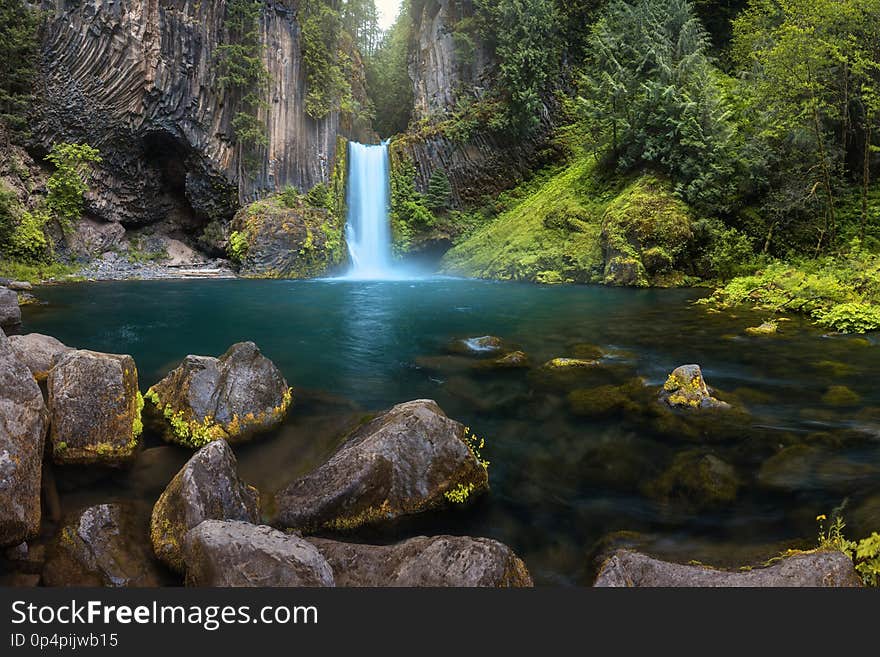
[
  {"x": 231, "y": 398},
  {"x": 686, "y": 389},
  {"x": 206, "y": 488},
  {"x": 38, "y": 352},
  {"x": 438, "y": 561},
  {"x": 812, "y": 569},
  {"x": 104, "y": 546},
  {"x": 10, "y": 312},
  {"x": 407, "y": 460},
  {"x": 23, "y": 424},
  {"x": 139, "y": 79},
  {"x": 95, "y": 408},
  {"x": 282, "y": 242},
  {"x": 225, "y": 554}
]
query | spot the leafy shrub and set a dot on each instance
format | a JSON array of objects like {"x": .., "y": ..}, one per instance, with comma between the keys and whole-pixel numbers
[
  {"x": 849, "y": 317},
  {"x": 28, "y": 241},
  {"x": 320, "y": 196},
  {"x": 238, "y": 246},
  {"x": 69, "y": 181},
  {"x": 290, "y": 197}
]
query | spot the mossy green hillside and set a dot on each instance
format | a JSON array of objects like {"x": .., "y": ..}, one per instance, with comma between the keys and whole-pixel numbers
[{"x": 574, "y": 226}]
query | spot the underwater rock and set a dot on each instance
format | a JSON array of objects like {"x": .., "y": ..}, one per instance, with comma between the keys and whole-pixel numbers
[
  {"x": 456, "y": 561},
  {"x": 38, "y": 352},
  {"x": 604, "y": 401},
  {"x": 482, "y": 346},
  {"x": 791, "y": 468},
  {"x": 809, "y": 569},
  {"x": 23, "y": 423},
  {"x": 697, "y": 479},
  {"x": 686, "y": 389},
  {"x": 841, "y": 397},
  {"x": 233, "y": 553},
  {"x": 102, "y": 546},
  {"x": 409, "y": 459},
  {"x": 569, "y": 364},
  {"x": 206, "y": 488},
  {"x": 233, "y": 397},
  {"x": 10, "y": 312},
  {"x": 95, "y": 408},
  {"x": 767, "y": 328},
  {"x": 515, "y": 360},
  {"x": 585, "y": 351}
]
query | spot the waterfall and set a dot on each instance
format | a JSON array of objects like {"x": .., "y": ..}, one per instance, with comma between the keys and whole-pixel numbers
[{"x": 368, "y": 231}]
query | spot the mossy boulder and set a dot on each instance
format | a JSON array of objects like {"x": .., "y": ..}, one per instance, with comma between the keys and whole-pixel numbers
[
  {"x": 103, "y": 546},
  {"x": 38, "y": 352},
  {"x": 697, "y": 480},
  {"x": 767, "y": 328},
  {"x": 809, "y": 569},
  {"x": 686, "y": 389},
  {"x": 95, "y": 408},
  {"x": 515, "y": 360},
  {"x": 286, "y": 237},
  {"x": 10, "y": 312},
  {"x": 562, "y": 364},
  {"x": 456, "y": 561},
  {"x": 409, "y": 459},
  {"x": 23, "y": 424},
  {"x": 233, "y": 397},
  {"x": 206, "y": 488},
  {"x": 604, "y": 401},
  {"x": 239, "y": 554}
]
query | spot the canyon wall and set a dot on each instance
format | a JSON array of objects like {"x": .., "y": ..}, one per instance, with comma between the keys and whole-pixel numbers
[{"x": 138, "y": 79}]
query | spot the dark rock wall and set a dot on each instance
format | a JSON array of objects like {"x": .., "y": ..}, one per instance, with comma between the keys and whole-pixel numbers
[{"x": 138, "y": 80}]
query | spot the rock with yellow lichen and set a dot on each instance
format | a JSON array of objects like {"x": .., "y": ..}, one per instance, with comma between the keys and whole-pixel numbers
[
  {"x": 206, "y": 488},
  {"x": 686, "y": 389},
  {"x": 95, "y": 408},
  {"x": 410, "y": 459},
  {"x": 233, "y": 397}
]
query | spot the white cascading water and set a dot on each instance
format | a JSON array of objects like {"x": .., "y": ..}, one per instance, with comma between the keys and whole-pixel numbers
[{"x": 368, "y": 231}]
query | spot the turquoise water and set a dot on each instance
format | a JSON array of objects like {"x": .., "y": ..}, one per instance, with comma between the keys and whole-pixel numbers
[{"x": 560, "y": 482}]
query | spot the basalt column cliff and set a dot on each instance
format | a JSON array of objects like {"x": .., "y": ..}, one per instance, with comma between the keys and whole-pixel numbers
[{"x": 139, "y": 80}]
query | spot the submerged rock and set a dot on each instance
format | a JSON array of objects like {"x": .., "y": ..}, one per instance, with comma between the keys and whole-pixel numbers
[
  {"x": 23, "y": 423},
  {"x": 482, "y": 346},
  {"x": 38, "y": 352},
  {"x": 407, "y": 460},
  {"x": 791, "y": 468},
  {"x": 103, "y": 546},
  {"x": 206, "y": 488},
  {"x": 841, "y": 397},
  {"x": 231, "y": 553},
  {"x": 603, "y": 401},
  {"x": 233, "y": 397},
  {"x": 809, "y": 569},
  {"x": 10, "y": 312},
  {"x": 513, "y": 361},
  {"x": 95, "y": 408},
  {"x": 457, "y": 561},
  {"x": 686, "y": 389},
  {"x": 697, "y": 479},
  {"x": 569, "y": 364},
  {"x": 767, "y": 328}
]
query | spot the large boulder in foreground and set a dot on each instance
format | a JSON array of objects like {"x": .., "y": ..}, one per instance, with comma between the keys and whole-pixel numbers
[
  {"x": 206, "y": 488},
  {"x": 457, "y": 561},
  {"x": 23, "y": 423},
  {"x": 809, "y": 569},
  {"x": 686, "y": 389},
  {"x": 230, "y": 553},
  {"x": 103, "y": 546},
  {"x": 10, "y": 312},
  {"x": 231, "y": 398},
  {"x": 407, "y": 460},
  {"x": 95, "y": 408},
  {"x": 38, "y": 352}
]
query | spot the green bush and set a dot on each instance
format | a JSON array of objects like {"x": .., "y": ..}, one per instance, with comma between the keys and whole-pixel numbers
[
  {"x": 238, "y": 246},
  {"x": 290, "y": 197},
  {"x": 28, "y": 242},
  {"x": 320, "y": 196},
  {"x": 69, "y": 181}
]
